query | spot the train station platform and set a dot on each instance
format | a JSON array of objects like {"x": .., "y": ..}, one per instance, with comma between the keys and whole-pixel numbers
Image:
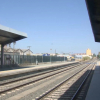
[
  {"x": 25, "y": 69},
  {"x": 94, "y": 88}
]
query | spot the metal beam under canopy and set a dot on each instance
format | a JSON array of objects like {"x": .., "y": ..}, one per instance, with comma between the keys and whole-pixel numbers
[{"x": 9, "y": 35}]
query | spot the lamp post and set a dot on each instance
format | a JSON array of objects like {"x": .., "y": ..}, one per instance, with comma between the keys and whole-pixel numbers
[
  {"x": 64, "y": 57},
  {"x": 42, "y": 58},
  {"x": 29, "y": 49},
  {"x": 36, "y": 60},
  {"x": 50, "y": 56},
  {"x": 13, "y": 50}
]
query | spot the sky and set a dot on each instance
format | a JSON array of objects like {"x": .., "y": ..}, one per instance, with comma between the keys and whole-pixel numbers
[{"x": 61, "y": 25}]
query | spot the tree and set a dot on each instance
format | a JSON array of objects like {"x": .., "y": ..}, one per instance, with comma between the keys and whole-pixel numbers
[
  {"x": 98, "y": 56},
  {"x": 94, "y": 55},
  {"x": 99, "y": 53}
]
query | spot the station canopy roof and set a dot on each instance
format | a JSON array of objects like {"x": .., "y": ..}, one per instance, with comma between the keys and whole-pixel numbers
[
  {"x": 93, "y": 7},
  {"x": 9, "y": 35}
]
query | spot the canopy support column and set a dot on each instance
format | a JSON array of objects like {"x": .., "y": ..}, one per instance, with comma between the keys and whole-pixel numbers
[{"x": 2, "y": 53}]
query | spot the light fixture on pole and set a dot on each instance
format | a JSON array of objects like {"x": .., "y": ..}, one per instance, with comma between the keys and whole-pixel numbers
[
  {"x": 50, "y": 56},
  {"x": 29, "y": 49}
]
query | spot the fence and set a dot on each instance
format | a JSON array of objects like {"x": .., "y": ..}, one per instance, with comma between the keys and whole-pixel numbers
[
  {"x": 26, "y": 59},
  {"x": 32, "y": 59},
  {"x": 10, "y": 58}
]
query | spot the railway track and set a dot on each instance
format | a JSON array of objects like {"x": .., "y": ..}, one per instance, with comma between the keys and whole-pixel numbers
[
  {"x": 23, "y": 76},
  {"x": 21, "y": 82},
  {"x": 21, "y": 88},
  {"x": 74, "y": 88}
]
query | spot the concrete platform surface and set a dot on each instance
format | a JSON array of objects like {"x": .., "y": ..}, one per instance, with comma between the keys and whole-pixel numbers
[
  {"x": 94, "y": 89},
  {"x": 33, "y": 68}
]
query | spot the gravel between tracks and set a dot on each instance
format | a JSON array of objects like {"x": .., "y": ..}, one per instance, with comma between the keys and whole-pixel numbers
[{"x": 36, "y": 90}]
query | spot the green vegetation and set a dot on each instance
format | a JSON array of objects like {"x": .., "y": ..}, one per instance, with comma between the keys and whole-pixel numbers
[
  {"x": 94, "y": 55},
  {"x": 28, "y": 54},
  {"x": 98, "y": 56},
  {"x": 86, "y": 58}
]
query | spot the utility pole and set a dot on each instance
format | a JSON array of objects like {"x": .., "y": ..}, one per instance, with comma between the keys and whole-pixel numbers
[
  {"x": 29, "y": 49},
  {"x": 55, "y": 52},
  {"x": 50, "y": 56}
]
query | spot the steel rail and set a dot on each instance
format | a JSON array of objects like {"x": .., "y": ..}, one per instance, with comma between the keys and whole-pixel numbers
[
  {"x": 4, "y": 83},
  {"x": 35, "y": 80},
  {"x": 74, "y": 96},
  {"x": 42, "y": 96}
]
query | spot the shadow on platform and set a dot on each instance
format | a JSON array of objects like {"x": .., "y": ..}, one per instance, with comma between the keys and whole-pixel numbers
[
  {"x": 67, "y": 95},
  {"x": 13, "y": 67}
]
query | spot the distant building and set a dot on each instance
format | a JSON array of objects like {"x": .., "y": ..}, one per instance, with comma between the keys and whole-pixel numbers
[
  {"x": 87, "y": 56},
  {"x": 4, "y": 47},
  {"x": 38, "y": 54},
  {"x": 88, "y": 52},
  {"x": 62, "y": 55},
  {"x": 79, "y": 54},
  {"x": 20, "y": 51},
  {"x": 46, "y": 54},
  {"x": 24, "y": 51},
  {"x": 52, "y": 54}
]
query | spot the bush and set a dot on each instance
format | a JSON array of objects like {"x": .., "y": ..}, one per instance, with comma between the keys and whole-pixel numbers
[{"x": 85, "y": 58}]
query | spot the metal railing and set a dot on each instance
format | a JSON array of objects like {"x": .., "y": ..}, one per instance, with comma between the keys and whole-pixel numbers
[{"x": 10, "y": 59}]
